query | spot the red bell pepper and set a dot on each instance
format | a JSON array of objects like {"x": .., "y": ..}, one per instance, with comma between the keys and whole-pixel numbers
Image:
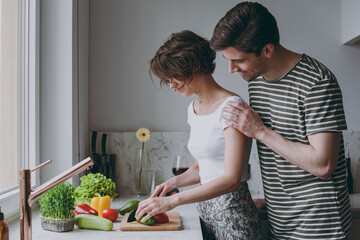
[{"x": 85, "y": 209}]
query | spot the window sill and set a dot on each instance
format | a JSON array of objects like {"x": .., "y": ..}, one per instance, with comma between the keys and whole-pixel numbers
[{"x": 10, "y": 203}]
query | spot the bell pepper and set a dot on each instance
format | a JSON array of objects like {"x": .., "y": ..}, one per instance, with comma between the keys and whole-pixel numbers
[
  {"x": 100, "y": 203},
  {"x": 85, "y": 209},
  {"x": 161, "y": 218}
]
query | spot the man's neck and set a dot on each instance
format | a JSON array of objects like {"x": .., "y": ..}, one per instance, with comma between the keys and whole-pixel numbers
[{"x": 281, "y": 62}]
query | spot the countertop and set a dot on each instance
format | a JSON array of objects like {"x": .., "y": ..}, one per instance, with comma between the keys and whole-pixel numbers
[{"x": 188, "y": 215}]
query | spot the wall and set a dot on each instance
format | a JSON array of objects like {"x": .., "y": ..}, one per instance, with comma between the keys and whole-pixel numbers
[
  {"x": 63, "y": 84},
  {"x": 163, "y": 146},
  {"x": 124, "y": 35}
]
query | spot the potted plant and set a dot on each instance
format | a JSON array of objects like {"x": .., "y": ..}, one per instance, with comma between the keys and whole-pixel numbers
[{"x": 56, "y": 208}]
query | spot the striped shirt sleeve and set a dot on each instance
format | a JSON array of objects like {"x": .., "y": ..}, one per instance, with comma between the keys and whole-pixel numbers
[{"x": 323, "y": 108}]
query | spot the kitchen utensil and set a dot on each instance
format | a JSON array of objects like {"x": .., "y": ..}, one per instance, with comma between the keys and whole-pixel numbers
[
  {"x": 112, "y": 167},
  {"x": 173, "y": 224},
  {"x": 104, "y": 169},
  {"x": 131, "y": 217},
  {"x": 95, "y": 156},
  {"x": 108, "y": 161},
  {"x": 174, "y": 191}
]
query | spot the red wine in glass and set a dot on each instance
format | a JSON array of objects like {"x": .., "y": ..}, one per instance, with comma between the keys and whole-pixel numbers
[
  {"x": 179, "y": 165},
  {"x": 177, "y": 171}
]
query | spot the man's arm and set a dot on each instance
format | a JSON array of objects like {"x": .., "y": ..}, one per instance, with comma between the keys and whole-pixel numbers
[{"x": 318, "y": 158}]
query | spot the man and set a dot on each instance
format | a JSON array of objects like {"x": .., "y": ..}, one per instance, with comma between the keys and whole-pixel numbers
[{"x": 297, "y": 118}]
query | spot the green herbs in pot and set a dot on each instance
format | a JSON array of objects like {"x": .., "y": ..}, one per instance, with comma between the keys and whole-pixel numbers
[
  {"x": 93, "y": 185},
  {"x": 58, "y": 202}
]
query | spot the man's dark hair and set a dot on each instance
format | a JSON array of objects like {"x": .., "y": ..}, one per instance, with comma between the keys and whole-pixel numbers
[
  {"x": 247, "y": 27},
  {"x": 181, "y": 56}
]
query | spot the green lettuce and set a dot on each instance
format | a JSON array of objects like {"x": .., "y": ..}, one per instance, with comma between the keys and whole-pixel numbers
[{"x": 93, "y": 185}]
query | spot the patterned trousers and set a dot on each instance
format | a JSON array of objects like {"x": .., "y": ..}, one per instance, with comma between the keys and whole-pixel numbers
[{"x": 230, "y": 216}]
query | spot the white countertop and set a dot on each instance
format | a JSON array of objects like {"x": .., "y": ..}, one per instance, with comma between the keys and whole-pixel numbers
[{"x": 188, "y": 215}]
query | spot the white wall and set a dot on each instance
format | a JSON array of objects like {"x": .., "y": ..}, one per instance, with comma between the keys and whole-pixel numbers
[
  {"x": 64, "y": 89},
  {"x": 83, "y": 77},
  {"x": 124, "y": 35}
]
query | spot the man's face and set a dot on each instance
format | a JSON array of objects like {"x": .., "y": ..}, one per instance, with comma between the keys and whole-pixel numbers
[{"x": 248, "y": 65}]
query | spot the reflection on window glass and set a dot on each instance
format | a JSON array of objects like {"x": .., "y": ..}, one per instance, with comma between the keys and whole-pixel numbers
[{"x": 9, "y": 95}]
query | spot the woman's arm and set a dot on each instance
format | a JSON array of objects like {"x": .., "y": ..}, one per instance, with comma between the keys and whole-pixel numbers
[
  {"x": 190, "y": 177},
  {"x": 237, "y": 149}
]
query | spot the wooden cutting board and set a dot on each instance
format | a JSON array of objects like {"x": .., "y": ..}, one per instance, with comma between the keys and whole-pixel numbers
[{"x": 174, "y": 224}]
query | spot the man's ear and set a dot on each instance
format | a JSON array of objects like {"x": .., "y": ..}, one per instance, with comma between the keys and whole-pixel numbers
[{"x": 268, "y": 50}]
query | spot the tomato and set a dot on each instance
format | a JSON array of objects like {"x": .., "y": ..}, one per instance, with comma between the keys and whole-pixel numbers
[
  {"x": 161, "y": 218},
  {"x": 110, "y": 214}
]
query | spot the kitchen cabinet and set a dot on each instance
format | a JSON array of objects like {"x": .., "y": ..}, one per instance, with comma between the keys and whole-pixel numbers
[{"x": 350, "y": 19}]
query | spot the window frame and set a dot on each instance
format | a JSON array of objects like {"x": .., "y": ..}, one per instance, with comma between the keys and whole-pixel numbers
[{"x": 28, "y": 78}]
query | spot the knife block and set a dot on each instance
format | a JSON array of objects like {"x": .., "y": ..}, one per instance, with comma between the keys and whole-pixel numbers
[{"x": 108, "y": 166}]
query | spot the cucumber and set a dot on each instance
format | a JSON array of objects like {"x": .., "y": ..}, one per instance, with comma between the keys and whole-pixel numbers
[
  {"x": 150, "y": 221},
  {"x": 89, "y": 221},
  {"x": 129, "y": 206}
]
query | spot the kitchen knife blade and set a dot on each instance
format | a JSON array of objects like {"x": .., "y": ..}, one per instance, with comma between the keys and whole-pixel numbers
[
  {"x": 95, "y": 156},
  {"x": 131, "y": 217},
  {"x": 104, "y": 168}
]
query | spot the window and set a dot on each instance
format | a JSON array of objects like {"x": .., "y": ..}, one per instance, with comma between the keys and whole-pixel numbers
[
  {"x": 9, "y": 96},
  {"x": 19, "y": 101}
]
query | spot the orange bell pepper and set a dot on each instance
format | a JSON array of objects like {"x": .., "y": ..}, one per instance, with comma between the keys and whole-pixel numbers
[{"x": 100, "y": 203}]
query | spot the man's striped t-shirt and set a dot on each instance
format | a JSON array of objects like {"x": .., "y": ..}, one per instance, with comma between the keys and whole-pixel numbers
[{"x": 307, "y": 100}]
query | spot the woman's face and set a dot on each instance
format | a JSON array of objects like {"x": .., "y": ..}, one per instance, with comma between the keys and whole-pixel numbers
[{"x": 183, "y": 87}]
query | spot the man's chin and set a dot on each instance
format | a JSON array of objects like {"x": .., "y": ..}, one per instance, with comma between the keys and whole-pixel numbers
[{"x": 249, "y": 78}]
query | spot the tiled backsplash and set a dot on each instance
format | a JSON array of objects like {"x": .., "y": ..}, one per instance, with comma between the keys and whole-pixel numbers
[{"x": 164, "y": 145}]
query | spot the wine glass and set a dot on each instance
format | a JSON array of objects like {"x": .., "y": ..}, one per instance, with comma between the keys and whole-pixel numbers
[{"x": 180, "y": 165}]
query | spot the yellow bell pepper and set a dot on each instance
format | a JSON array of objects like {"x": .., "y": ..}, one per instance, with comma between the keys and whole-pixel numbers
[{"x": 100, "y": 203}]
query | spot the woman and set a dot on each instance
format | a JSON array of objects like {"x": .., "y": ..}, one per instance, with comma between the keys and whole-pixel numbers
[{"x": 185, "y": 63}]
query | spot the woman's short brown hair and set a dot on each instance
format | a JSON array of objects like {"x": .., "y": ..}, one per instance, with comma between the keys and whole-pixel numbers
[{"x": 181, "y": 56}]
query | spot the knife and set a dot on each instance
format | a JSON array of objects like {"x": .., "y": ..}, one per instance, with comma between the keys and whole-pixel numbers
[
  {"x": 175, "y": 190},
  {"x": 95, "y": 156},
  {"x": 131, "y": 217},
  {"x": 104, "y": 157}
]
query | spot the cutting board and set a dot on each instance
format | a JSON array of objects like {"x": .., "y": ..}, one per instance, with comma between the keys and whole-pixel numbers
[{"x": 173, "y": 224}]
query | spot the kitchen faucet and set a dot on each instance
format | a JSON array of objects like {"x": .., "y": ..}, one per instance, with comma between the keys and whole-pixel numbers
[{"x": 27, "y": 196}]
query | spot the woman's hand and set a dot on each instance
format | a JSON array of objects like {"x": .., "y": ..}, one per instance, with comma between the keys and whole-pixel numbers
[
  {"x": 162, "y": 189},
  {"x": 153, "y": 206}
]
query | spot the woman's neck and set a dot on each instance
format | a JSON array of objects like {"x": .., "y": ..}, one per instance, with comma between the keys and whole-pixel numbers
[{"x": 208, "y": 90}]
